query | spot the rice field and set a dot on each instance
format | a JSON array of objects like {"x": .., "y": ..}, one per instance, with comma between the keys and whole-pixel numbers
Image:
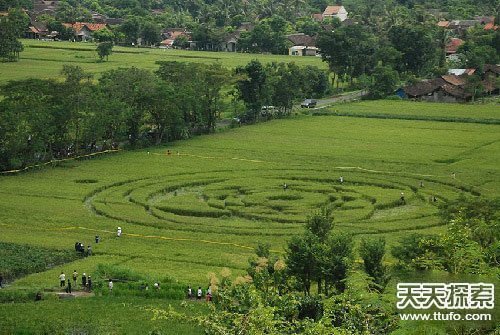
[
  {"x": 205, "y": 206},
  {"x": 44, "y": 59}
]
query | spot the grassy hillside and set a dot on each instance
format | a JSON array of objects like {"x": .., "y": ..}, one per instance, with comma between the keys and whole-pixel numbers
[
  {"x": 209, "y": 203},
  {"x": 43, "y": 59}
]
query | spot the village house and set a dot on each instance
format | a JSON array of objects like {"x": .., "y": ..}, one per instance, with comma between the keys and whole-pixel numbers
[
  {"x": 230, "y": 41},
  {"x": 83, "y": 30},
  {"x": 459, "y": 27},
  {"x": 171, "y": 34},
  {"x": 451, "y": 49},
  {"x": 335, "y": 11},
  {"x": 453, "y": 87},
  {"x": 302, "y": 45},
  {"x": 37, "y": 30},
  {"x": 439, "y": 90},
  {"x": 459, "y": 72}
]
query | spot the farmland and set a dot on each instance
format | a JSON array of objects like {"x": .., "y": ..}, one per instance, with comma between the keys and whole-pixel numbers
[
  {"x": 42, "y": 59},
  {"x": 205, "y": 206}
]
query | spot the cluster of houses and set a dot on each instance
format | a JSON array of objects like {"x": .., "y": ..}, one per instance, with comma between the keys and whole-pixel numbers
[
  {"x": 454, "y": 86},
  {"x": 82, "y": 31},
  {"x": 458, "y": 29},
  {"x": 301, "y": 44}
]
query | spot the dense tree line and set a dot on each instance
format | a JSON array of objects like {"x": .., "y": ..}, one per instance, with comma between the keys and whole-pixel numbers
[
  {"x": 11, "y": 28},
  {"x": 43, "y": 119}
]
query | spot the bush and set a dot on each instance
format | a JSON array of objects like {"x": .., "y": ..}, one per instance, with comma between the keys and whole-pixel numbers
[{"x": 311, "y": 307}]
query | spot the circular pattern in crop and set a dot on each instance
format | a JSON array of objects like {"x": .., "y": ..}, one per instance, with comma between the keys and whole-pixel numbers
[{"x": 272, "y": 202}]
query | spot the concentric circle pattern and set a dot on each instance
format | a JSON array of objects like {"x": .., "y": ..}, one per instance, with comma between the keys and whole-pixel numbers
[{"x": 258, "y": 202}]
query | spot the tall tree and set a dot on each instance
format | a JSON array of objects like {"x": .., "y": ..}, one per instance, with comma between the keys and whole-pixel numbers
[
  {"x": 348, "y": 50},
  {"x": 252, "y": 87},
  {"x": 12, "y": 27},
  {"x": 416, "y": 46}
]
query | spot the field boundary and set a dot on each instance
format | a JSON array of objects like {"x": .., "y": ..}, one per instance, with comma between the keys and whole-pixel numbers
[
  {"x": 408, "y": 117},
  {"x": 56, "y": 161}
]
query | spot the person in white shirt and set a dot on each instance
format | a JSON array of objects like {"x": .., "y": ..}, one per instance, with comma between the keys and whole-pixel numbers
[
  {"x": 119, "y": 232},
  {"x": 62, "y": 279},
  {"x": 199, "y": 293},
  {"x": 110, "y": 285}
]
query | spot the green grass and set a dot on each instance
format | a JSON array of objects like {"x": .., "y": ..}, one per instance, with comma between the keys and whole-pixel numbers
[
  {"x": 426, "y": 111},
  {"x": 43, "y": 59},
  {"x": 99, "y": 315},
  {"x": 204, "y": 209}
]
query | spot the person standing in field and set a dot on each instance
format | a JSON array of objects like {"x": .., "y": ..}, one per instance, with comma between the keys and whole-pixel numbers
[
  {"x": 84, "y": 280},
  {"x": 68, "y": 289},
  {"x": 75, "y": 277},
  {"x": 190, "y": 292},
  {"x": 89, "y": 250},
  {"x": 62, "y": 280},
  {"x": 89, "y": 283},
  {"x": 341, "y": 179},
  {"x": 199, "y": 293},
  {"x": 119, "y": 232},
  {"x": 110, "y": 285}
]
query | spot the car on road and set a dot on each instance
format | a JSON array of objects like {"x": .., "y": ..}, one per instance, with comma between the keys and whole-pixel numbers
[{"x": 308, "y": 103}]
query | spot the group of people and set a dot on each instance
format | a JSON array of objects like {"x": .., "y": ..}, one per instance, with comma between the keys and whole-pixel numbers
[
  {"x": 86, "y": 282},
  {"x": 79, "y": 247},
  {"x": 199, "y": 293}
]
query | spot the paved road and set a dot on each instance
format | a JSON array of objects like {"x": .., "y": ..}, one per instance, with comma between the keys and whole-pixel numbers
[{"x": 322, "y": 103}]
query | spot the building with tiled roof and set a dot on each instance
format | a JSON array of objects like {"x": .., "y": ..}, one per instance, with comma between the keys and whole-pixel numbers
[{"x": 335, "y": 11}]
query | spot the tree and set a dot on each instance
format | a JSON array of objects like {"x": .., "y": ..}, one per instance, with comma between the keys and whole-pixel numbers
[
  {"x": 320, "y": 224},
  {"x": 348, "y": 50},
  {"x": 150, "y": 33},
  {"x": 130, "y": 86},
  {"x": 267, "y": 36},
  {"x": 104, "y": 49},
  {"x": 417, "y": 48},
  {"x": 131, "y": 28},
  {"x": 162, "y": 110},
  {"x": 181, "y": 42},
  {"x": 103, "y": 35},
  {"x": 372, "y": 252},
  {"x": 252, "y": 87},
  {"x": 76, "y": 93},
  {"x": 301, "y": 260},
  {"x": 11, "y": 28},
  {"x": 385, "y": 81}
]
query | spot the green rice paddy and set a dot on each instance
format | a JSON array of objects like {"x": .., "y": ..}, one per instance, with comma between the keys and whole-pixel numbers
[{"x": 205, "y": 206}]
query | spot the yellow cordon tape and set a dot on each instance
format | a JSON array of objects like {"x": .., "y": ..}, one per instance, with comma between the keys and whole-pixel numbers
[
  {"x": 160, "y": 237},
  {"x": 59, "y": 160},
  {"x": 210, "y": 157},
  {"x": 150, "y": 236}
]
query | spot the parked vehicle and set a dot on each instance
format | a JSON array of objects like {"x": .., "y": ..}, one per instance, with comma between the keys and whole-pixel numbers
[{"x": 308, "y": 103}]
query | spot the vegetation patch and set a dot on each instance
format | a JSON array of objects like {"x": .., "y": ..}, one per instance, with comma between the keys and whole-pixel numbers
[{"x": 18, "y": 260}]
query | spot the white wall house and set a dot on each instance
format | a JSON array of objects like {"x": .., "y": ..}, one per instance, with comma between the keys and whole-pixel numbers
[{"x": 335, "y": 11}]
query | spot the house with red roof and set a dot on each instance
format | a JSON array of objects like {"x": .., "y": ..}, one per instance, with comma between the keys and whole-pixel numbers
[
  {"x": 83, "y": 30},
  {"x": 453, "y": 45},
  {"x": 335, "y": 11}
]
